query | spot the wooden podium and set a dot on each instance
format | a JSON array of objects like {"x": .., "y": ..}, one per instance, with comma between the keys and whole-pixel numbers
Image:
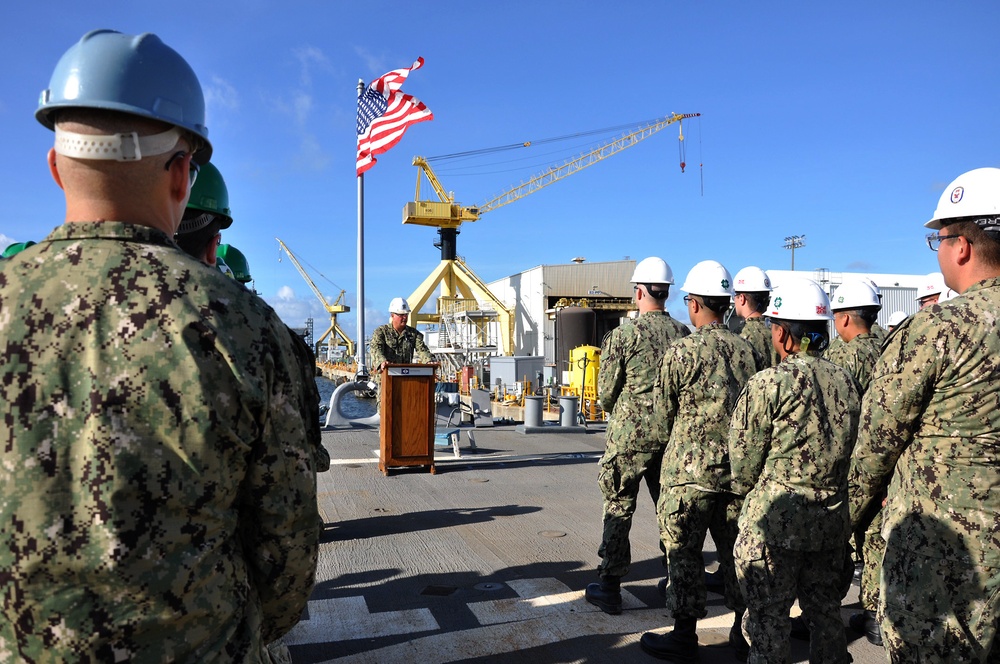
[{"x": 406, "y": 433}]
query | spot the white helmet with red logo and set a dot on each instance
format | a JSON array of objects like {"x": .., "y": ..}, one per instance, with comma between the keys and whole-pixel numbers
[
  {"x": 974, "y": 195},
  {"x": 751, "y": 279},
  {"x": 799, "y": 299}
]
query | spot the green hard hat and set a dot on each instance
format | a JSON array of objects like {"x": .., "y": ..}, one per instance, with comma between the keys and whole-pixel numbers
[
  {"x": 209, "y": 194},
  {"x": 236, "y": 261},
  {"x": 16, "y": 248}
]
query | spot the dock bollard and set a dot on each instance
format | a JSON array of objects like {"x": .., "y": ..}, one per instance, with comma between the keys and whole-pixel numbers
[
  {"x": 567, "y": 411},
  {"x": 533, "y": 411}
]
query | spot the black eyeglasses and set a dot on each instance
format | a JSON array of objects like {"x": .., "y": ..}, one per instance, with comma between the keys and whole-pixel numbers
[
  {"x": 193, "y": 166},
  {"x": 686, "y": 298},
  {"x": 934, "y": 240}
]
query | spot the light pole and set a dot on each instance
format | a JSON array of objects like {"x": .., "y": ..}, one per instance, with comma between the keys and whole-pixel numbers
[{"x": 794, "y": 242}]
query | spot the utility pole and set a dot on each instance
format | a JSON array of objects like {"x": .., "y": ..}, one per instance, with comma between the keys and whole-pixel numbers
[{"x": 794, "y": 242}]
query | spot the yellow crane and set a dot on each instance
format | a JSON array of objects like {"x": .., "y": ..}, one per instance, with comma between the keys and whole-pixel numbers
[
  {"x": 457, "y": 280},
  {"x": 339, "y": 337}
]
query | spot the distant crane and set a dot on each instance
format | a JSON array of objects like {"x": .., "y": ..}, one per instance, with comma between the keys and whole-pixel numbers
[
  {"x": 452, "y": 274},
  {"x": 339, "y": 337}
]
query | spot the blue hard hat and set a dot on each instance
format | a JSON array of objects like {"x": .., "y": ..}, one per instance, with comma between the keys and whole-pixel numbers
[{"x": 136, "y": 74}]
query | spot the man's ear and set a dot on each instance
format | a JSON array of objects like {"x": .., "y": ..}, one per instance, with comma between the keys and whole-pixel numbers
[
  {"x": 180, "y": 183},
  {"x": 54, "y": 168},
  {"x": 211, "y": 250}
]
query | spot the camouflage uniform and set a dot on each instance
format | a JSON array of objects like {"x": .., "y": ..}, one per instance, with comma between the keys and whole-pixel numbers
[
  {"x": 700, "y": 380},
  {"x": 630, "y": 360},
  {"x": 759, "y": 338},
  {"x": 931, "y": 418},
  {"x": 310, "y": 407},
  {"x": 790, "y": 445},
  {"x": 398, "y": 347},
  {"x": 159, "y": 495},
  {"x": 858, "y": 357}
]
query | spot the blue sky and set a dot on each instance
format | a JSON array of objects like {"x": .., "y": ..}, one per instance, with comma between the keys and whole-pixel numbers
[{"x": 843, "y": 122}]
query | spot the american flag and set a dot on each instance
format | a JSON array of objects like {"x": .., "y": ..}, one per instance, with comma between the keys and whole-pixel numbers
[{"x": 384, "y": 113}]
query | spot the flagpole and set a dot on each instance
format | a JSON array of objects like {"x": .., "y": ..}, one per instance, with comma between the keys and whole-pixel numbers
[{"x": 361, "y": 353}]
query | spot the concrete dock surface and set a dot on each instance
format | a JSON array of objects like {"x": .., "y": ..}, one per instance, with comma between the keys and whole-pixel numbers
[{"x": 487, "y": 560}]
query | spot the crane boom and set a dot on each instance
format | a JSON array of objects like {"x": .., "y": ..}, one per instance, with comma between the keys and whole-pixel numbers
[
  {"x": 583, "y": 161},
  {"x": 445, "y": 213},
  {"x": 332, "y": 309}
]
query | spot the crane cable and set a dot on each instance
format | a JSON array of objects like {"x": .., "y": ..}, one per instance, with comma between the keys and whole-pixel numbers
[{"x": 526, "y": 144}]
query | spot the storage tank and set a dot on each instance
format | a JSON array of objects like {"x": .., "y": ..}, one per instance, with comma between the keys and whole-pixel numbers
[
  {"x": 575, "y": 326},
  {"x": 585, "y": 362}
]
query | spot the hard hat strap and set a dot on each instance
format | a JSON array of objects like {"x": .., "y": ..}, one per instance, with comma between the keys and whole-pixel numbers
[{"x": 116, "y": 147}]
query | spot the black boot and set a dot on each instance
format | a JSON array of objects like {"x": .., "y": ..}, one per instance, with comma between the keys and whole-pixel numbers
[
  {"x": 866, "y": 623},
  {"x": 606, "y": 595},
  {"x": 680, "y": 645},
  {"x": 715, "y": 583}
]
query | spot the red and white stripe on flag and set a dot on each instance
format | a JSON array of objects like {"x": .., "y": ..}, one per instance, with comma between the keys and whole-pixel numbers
[{"x": 384, "y": 114}]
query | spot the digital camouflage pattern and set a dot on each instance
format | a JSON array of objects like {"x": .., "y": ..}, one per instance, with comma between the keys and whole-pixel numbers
[
  {"x": 858, "y": 356},
  {"x": 759, "y": 338},
  {"x": 630, "y": 361},
  {"x": 790, "y": 445},
  {"x": 630, "y": 364},
  {"x": 700, "y": 379},
  {"x": 159, "y": 495},
  {"x": 310, "y": 407},
  {"x": 404, "y": 347},
  {"x": 930, "y": 432}
]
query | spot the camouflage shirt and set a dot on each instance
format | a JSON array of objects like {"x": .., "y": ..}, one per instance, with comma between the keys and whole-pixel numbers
[
  {"x": 857, "y": 356},
  {"x": 931, "y": 423},
  {"x": 790, "y": 448},
  {"x": 759, "y": 338},
  {"x": 701, "y": 377},
  {"x": 159, "y": 497},
  {"x": 398, "y": 347},
  {"x": 630, "y": 360}
]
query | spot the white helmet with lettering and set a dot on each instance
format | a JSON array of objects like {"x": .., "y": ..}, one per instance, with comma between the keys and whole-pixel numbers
[
  {"x": 799, "y": 299},
  {"x": 710, "y": 279},
  {"x": 933, "y": 286},
  {"x": 974, "y": 195},
  {"x": 751, "y": 279},
  {"x": 399, "y": 306}
]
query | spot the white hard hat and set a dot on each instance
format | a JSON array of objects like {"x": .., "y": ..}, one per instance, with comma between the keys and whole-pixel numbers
[
  {"x": 751, "y": 279},
  {"x": 652, "y": 270},
  {"x": 947, "y": 294},
  {"x": 854, "y": 294},
  {"x": 399, "y": 306},
  {"x": 873, "y": 285},
  {"x": 896, "y": 318},
  {"x": 975, "y": 194},
  {"x": 933, "y": 286},
  {"x": 709, "y": 278},
  {"x": 799, "y": 299}
]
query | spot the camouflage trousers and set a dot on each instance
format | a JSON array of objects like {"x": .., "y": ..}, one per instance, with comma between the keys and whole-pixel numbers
[
  {"x": 938, "y": 610},
  {"x": 620, "y": 478},
  {"x": 685, "y": 514},
  {"x": 869, "y": 548},
  {"x": 771, "y": 578}
]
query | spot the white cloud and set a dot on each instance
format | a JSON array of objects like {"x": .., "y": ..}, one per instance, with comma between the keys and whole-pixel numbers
[
  {"x": 6, "y": 241},
  {"x": 221, "y": 96}
]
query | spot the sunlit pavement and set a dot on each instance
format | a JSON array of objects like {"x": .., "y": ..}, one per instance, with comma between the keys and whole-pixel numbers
[{"x": 486, "y": 560}]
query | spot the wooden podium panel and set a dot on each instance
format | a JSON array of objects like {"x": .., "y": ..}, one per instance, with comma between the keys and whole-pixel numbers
[{"x": 406, "y": 433}]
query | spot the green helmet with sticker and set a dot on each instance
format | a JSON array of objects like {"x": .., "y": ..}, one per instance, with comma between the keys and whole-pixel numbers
[{"x": 236, "y": 261}]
